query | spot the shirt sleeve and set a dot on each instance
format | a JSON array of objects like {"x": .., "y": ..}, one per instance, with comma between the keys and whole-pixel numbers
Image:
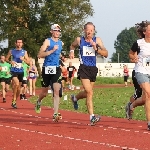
[{"x": 134, "y": 47}]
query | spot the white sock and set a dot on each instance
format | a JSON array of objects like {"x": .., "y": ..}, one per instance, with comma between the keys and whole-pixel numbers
[
  {"x": 56, "y": 104},
  {"x": 91, "y": 116},
  {"x": 74, "y": 98}
]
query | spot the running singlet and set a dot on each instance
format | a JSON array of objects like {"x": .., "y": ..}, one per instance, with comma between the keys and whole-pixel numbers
[
  {"x": 71, "y": 70},
  {"x": 5, "y": 72},
  {"x": 125, "y": 72},
  {"x": 15, "y": 56},
  {"x": 52, "y": 61},
  {"x": 87, "y": 54}
]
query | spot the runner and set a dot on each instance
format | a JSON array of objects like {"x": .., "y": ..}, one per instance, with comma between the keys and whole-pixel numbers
[
  {"x": 32, "y": 78},
  {"x": 24, "y": 82},
  {"x": 71, "y": 70},
  {"x": 64, "y": 78},
  {"x": 89, "y": 46},
  {"x": 126, "y": 75},
  {"x": 16, "y": 56},
  {"x": 142, "y": 69},
  {"x": 51, "y": 72},
  {"x": 5, "y": 76}
]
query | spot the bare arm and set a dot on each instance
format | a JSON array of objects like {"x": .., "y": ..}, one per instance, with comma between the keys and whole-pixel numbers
[
  {"x": 43, "y": 53},
  {"x": 73, "y": 46},
  {"x": 133, "y": 56},
  {"x": 102, "y": 51},
  {"x": 26, "y": 58},
  {"x": 8, "y": 57}
]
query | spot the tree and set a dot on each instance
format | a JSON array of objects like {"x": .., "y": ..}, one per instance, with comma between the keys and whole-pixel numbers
[
  {"x": 31, "y": 20},
  {"x": 123, "y": 44}
]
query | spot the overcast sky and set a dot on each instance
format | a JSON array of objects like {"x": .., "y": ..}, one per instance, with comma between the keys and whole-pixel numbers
[{"x": 113, "y": 16}]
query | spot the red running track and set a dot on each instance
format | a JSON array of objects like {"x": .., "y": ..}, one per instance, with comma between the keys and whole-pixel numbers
[{"x": 23, "y": 129}]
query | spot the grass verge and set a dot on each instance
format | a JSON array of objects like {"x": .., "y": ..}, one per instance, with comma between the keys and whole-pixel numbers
[{"x": 107, "y": 102}]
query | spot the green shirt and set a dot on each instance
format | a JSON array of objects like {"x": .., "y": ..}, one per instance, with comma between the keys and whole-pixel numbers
[
  {"x": 25, "y": 68},
  {"x": 5, "y": 71}
]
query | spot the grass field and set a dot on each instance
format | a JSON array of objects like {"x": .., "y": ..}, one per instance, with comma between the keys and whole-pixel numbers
[{"x": 107, "y": 102}]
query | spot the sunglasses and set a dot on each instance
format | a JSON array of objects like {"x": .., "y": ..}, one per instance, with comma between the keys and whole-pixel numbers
[{"x": 57, "y": 30}]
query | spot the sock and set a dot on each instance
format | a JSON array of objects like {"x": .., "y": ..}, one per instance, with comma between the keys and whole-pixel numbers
[
  {"x": 39, "y": 102},
  {"x": 148, "y": 123},
  {"x": 131, "y": 107},
  {"x": 91, "y": 116},
  {"x": 74, "y": 98}
]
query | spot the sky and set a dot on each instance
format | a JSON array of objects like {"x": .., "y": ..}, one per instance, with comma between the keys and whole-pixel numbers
[{"x": 113, "y": 16}]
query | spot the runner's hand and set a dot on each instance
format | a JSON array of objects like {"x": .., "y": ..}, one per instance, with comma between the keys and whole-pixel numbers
[
  {"x": 93, "y": 45},
  {"x": 13, "y": 63},
  {"x": 55, "y": 47}
]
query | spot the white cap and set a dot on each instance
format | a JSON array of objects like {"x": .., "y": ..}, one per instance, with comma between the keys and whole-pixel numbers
[{"x": 55, "y": 26}]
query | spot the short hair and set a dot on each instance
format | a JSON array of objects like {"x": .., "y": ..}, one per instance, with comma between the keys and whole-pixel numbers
[
  {"x": 89, "y": 23},
  {"x": 19, "y": 39},
  {"x": 141, "y": 27}
]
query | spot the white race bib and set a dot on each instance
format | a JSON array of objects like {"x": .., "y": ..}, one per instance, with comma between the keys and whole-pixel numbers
[
  {"x": 24, "y": 78},
  {"x": 146, "y": 62},
  {"x": 18, "y": 65},
  {"x": 88, "y": 51},
  {"x": 5, "y": 68},
  {"x": 125, "y": 74},
  {"x": 70, "y": 69},
  {"x": 31, "y": 74},
  {"x": 50, "y": 70}
]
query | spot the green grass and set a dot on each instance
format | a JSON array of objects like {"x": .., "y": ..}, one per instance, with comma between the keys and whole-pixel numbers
[
  {"x": 99, "y": 80},
  {"x": 107, "y": 102}
]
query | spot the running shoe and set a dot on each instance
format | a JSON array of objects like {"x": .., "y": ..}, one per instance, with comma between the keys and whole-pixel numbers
[
  {"x": 75, "y": 103},
  {"x": 56, "y": 117},
  {"x": 60, "y": 116},
  {"x": 4, "y": 100},
  {"x": 37, "y": 107},
  {"x": 14, "y": 104},
  {"x": 94, "y": 120},
  {"x": 24, "y": 97},
  {"x": 129, "y": 112},
  {"x": 21, "y": 97}
]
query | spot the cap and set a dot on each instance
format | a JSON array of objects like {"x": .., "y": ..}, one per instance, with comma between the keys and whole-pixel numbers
[{"x": 55, "y": 26}]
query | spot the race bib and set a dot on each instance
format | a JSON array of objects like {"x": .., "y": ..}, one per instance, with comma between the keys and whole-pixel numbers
[
  {"x": 88, "y": 51},
  {"x": 70, "y": 69},
  {"x": 50, "y": 70},
  {"x": 31, "y": 74},
  {"x": 18, "y": 65},
  {"x": 5, "y": 68},
  {"x": 125, "y": 74},
  {"x": 146, "y": 62},
  {"x": 24, "y": 78}
]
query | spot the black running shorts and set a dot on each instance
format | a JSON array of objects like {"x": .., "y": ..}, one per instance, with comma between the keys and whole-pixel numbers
[
  {"x": 48, "y": 79},
  {"x": 6, "y": 80},
  {"x": 87, "y": 72},
  {"x": 19, "y": 75}
]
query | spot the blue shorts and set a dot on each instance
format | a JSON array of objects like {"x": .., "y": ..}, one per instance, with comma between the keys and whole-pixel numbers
[{"x": 142, "y": 78}]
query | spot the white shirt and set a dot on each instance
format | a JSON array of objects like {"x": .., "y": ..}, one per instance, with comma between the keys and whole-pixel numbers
[{"x": 143, "y": 64}]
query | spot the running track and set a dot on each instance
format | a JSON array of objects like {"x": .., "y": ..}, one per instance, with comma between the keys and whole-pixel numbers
[{"x": 23, "y": 129}]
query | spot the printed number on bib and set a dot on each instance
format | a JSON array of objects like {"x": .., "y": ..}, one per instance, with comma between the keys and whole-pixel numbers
[
  {"x": 31, "y": 74},
  {"x": 50, "y": 70},
  {"x": 88, "y": 51},
  {"x": 146, "y": 62},
  {"x": 24, "y": 78},
  {"x": 70, "y": 69},
  {"x": 5, "y": 68},
  {"x": 18, "y": 65}
]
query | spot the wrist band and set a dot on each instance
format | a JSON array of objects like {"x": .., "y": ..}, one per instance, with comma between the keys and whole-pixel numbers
[{"x": 71, "y": 51}]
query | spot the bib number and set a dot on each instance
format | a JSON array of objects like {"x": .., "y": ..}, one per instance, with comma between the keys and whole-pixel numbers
[
  {"x": 5, "y": 68},
  {"x": 24, "y": 78},
  {"x": 18, "y": 65},
  {"x": 70, "y": 69},
  {"x": 88, "y": 51},
  {"x": 146, "y": 62},
  {"x": 50, "y": 70},
  {"x": 31, "y": 74}
]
